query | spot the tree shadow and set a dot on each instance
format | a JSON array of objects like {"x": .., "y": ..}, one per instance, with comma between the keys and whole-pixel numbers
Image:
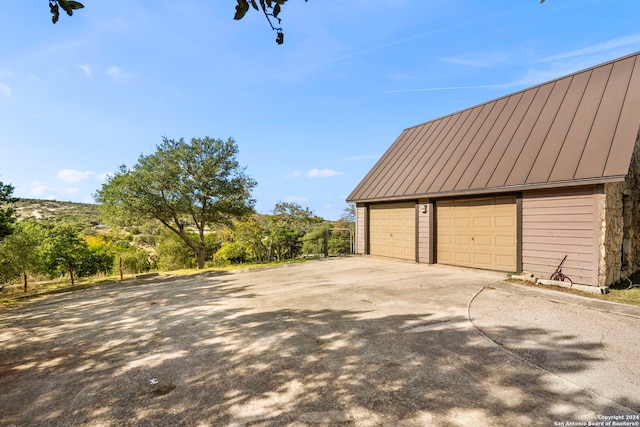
[{"x": 211, "y": 354}]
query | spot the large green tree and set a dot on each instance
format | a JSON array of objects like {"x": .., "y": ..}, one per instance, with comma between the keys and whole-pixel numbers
[
  {"x": 7, "y": 214},
  {"x": 269, "y": 8},
  {"x": 188, "y": 187}
]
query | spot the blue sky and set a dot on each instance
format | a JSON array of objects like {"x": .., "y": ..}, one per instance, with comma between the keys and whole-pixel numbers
[{"x": 310, "y": 117}]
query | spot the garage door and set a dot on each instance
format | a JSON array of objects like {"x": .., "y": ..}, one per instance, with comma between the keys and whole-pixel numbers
[
  {"x": 478, "y": 233},
  {"x": 392, "y": 230}
]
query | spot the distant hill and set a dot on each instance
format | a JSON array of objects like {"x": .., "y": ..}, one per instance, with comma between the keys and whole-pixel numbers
[{"x": 56, "y": 212}]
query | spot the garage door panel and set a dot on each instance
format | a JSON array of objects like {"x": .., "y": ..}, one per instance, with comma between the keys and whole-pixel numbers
[
  {"x": 392, "y": 230},
  {"x": 477, "y": 233}
]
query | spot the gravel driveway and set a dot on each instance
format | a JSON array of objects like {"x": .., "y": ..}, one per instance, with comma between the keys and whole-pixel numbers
[{"x": 342, "y": 342}]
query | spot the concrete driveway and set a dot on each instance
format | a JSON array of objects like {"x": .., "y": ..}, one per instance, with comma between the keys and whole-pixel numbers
[{"x": 341, "y": 342}]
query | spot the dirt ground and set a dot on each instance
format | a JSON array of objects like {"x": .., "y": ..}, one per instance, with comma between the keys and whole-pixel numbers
[{"x": 341, "y": 342}]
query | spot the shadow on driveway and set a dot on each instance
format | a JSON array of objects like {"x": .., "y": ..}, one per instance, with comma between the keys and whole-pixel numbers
[{"x": 282, "y": 347}]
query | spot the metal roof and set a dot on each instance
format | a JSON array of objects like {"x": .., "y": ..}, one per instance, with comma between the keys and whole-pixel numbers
[{"x": 574, "y": 130}]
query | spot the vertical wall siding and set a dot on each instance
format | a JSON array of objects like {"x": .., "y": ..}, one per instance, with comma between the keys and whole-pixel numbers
[
  {"x": 556, "y": 223},
  {"x": 423, "y": 232},
  {"x": 361, "y": 213}
]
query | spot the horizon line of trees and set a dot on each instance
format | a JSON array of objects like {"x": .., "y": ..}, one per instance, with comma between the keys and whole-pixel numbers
[{"x": 194, "y": 201}]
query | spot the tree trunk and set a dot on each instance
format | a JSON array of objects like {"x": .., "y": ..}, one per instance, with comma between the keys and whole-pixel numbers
[{"x": 200, "y": 252}]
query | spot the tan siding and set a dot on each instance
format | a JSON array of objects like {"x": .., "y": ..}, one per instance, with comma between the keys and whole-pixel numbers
[
  {"x": 361, "y": 232},
  {"x": 424, "y": 231},
  {"x": 559, "y": 223}
]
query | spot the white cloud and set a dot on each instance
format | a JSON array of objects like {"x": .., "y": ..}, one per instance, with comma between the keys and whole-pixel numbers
[
  {"x": 114, "y": 72},
  {"x": 73, "y": 176},
  {"x": 293, "y": 174},
  {"x": 103, "y": 176},
  {"x": 633, "y": 39},
  {"x": 476, "y": 59},
  {"x": 4, "y": 89},
  {"x": 86, "y": 69},
  {"x": 42, "y": 190},
  {"x": 323, "y": 173}
]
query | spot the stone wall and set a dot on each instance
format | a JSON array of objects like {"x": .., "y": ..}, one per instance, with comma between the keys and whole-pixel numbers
[{"x": 620, "y": 226}]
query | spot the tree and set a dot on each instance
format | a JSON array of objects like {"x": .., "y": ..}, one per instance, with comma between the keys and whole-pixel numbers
[
  {"x": 63, "y": 250},
  {"x": 7, "y": 215},
  {"x": 270, "y": 8},
  {"x": 286, "y": 227},
  {"x": 19, "y": 252},
  {"x": 187, "y": 187}
]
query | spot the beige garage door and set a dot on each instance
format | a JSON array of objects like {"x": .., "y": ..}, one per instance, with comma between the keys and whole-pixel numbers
[
  {"x": 392, "y": 230},
  {"x": 478, "y": 233}
]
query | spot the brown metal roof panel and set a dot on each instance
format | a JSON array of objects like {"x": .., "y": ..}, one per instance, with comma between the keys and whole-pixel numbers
[
  {"x": 557, "y": 135},
  {"x": 437, "y": 128},
  {"x": 370, "y": 177},
  {"x": 572, "y": 150},
  {"x": 435, "y": 146},
  {"x": 467, "y": 177},
  {"x": 520, "y": 138},
  {"x": 598, "y": 144},
  {"x": 384, "y": 168},
  {"x": 415, "y": 160},
  {"x": 465, "y": 140},
  {"x": 526, "y": 159},
  {"x": 626, "y": 134},
  {"x": 398, "y": 165},
  {"x": 464, "y": 121},
  {"x": 491, "y": 161},
  {"x": 475, "y": 143}
]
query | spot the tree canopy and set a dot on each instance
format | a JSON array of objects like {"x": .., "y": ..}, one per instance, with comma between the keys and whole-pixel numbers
[
  {"x": 187, "y": 187},
  {"x": 7, "y": 214},
  {"x": 270, "y": 8}
]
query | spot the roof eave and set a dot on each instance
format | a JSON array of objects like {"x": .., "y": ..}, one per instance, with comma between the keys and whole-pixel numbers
[{"x": 493, "y": 190}]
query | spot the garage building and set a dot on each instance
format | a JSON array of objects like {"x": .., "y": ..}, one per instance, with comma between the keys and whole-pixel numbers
[{"x": 518, "y": 183}]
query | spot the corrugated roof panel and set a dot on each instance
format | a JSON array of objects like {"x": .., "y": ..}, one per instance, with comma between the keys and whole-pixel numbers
[
  {"x": 396, "y": 165},
  {"x": 464, "y": 121},
  {"x": 569, "y": 156},
  {"x": 415, "y": 157},
  {"x": 382, "y": 169},
  {"x": 473, "y": 144},
  {"x": 627, "y": 130},
  {"x": 436, "y": 146},
  {"x": 521, "y": 136},
  {"x": 558, "y": 131},
  {"x": 361, "y": 190},
  {"x": 487, "y": 144},
  {"x": 526, "y": 160},
  {"x": 463, "y": 141},
  {"x": 597, "y": 146},
  {"x": 581, "y": 127},
  {"x": 497, "y": 151}
]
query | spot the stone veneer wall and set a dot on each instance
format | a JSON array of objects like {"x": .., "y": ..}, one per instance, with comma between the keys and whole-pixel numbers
[{"x": 620, "y": 221}]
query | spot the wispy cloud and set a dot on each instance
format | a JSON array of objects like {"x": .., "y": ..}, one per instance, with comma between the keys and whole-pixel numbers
[
  {"x": 42, "y": 190},
  {"x": 5, "y": 90},
  {"x": 114, "y": 72},
  {"x": 293, "y": 174},
  {"x": 476, "y": 59},
  {"x": 71, "y": 176},
  {"x": 633, "y": 39},
  {"x": 434, "y": 89},
  {"x": 323, "y": 173},
  {"x": 86, "y": 69}
]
